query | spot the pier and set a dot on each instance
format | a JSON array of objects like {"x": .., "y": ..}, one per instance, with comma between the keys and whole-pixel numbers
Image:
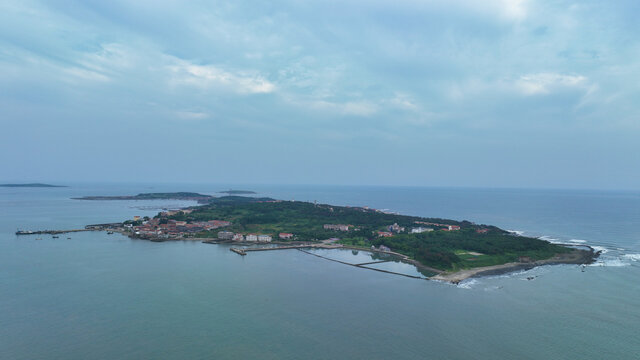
[
  {"x": 94, "y": 227},
  {"x": 278, "y": 248},
  {"x": 238, "y": 251},
  {"x": 244, "y": 251},
  {"x": 50, "y": 232}
]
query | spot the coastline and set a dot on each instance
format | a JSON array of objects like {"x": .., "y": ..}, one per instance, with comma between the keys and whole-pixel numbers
[{"x": 577, "y": 256}]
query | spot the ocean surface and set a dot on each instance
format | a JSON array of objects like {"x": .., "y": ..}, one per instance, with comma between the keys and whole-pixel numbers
[{"x": 100, "y": 296}]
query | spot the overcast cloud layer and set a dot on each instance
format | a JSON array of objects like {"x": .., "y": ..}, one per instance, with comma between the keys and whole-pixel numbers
[{"x": 460, "y": 93}]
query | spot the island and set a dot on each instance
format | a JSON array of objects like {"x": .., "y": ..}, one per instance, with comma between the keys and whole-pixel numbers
[
  {"x": 445, "y": 249},
  {"x": 32, "y": 185},
  {"x": 236, "y": 192},
  {"x": 200, "y": 198},
  {"x": 441, "y": 249}
]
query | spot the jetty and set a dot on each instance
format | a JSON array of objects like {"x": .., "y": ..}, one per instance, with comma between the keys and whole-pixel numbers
[
  {"x": 50, "y": 232},
  {"x": 244, "y": 251},
  {"x": 238, "y": 251},
  {"x": 278, "y": 247},
  {"x": 94, "y": 227}
]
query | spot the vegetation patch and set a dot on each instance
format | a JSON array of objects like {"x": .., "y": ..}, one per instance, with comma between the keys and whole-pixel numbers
[{"x": 448, "y": 245}]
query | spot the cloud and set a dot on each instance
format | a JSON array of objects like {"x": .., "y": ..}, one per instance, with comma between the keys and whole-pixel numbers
[
  {"x": 356, "y": 108},
  {"x": 192, "y": 115},
  {"x": 513, "y": 9},
  {"x": 102, "y": 65},
  {"x": 76, "y": 73},
  {"x": 211, "y": 76},
  {"x": 545, "y": 83},
  {"x": 404, "y": 102},
  {"x": 510, "y": 10}
]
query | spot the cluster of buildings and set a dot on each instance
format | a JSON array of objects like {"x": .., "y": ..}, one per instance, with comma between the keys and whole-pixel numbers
[
  {"x": 391, "y": 230},
  {"x": 228, "y": 235},
  {"x": 396, "y": 229},
  {"x": 445, "y": 227},
  {"x": 338, "y": 227},
  {"x": 385, "y": 233},
  {"x": 175, "y": 228}
]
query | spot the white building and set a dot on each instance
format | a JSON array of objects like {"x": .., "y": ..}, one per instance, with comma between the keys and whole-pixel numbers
[
  {"x": 264, "y": 238},
  {"x": 419, "y": 230},
  {"x": 395, "y": 228},
  {"x": 238, "y": 237},
  {"x": 339, "y": 227},
  {"x": 251, "y": 237},
  {"x": 225, "y": 235}
]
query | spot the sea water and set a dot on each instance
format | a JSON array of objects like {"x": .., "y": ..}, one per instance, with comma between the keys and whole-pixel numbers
[{"x": 100, "y": 296}]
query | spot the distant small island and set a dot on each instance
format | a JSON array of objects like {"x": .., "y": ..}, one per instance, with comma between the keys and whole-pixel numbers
[
  {"x": 32, "y": 185},
  {"x": 237, "y": 192},
  {"x": 200, "y": 198}
]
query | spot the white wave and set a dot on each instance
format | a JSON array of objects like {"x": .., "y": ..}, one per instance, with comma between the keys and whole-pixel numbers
[
  {"x": 549, "y": 239},
  {"x": 600, "y": 248},
  {"x": 578, "y": 241},
  {"x": 468, "y": 284},
  {"x": 611, "y": 263},
  {"x": 632, "y": 257},
  {"x": 517, "y": 232}
]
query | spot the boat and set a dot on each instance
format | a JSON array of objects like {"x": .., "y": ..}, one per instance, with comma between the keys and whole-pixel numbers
[
  {"x": 109, "y": 232},
  {"x": 55, "y": 236}
]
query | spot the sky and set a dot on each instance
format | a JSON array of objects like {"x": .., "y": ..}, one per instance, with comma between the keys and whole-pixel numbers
[{"x": 477, "y": 93}]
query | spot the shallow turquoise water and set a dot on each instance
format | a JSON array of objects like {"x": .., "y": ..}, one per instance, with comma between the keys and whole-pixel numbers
[{"x": 99, "y": 296}]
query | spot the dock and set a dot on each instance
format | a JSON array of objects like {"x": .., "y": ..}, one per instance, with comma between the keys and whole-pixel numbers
[
  {"x": 278, "y": 248},
  {"x": 238, "y": 251},
  {"x": 244, "y": 251},
  {"x": 50, "y": 232}
]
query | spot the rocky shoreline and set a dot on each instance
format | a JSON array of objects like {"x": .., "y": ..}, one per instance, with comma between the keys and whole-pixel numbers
[{"x": 577, "y": 256}]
